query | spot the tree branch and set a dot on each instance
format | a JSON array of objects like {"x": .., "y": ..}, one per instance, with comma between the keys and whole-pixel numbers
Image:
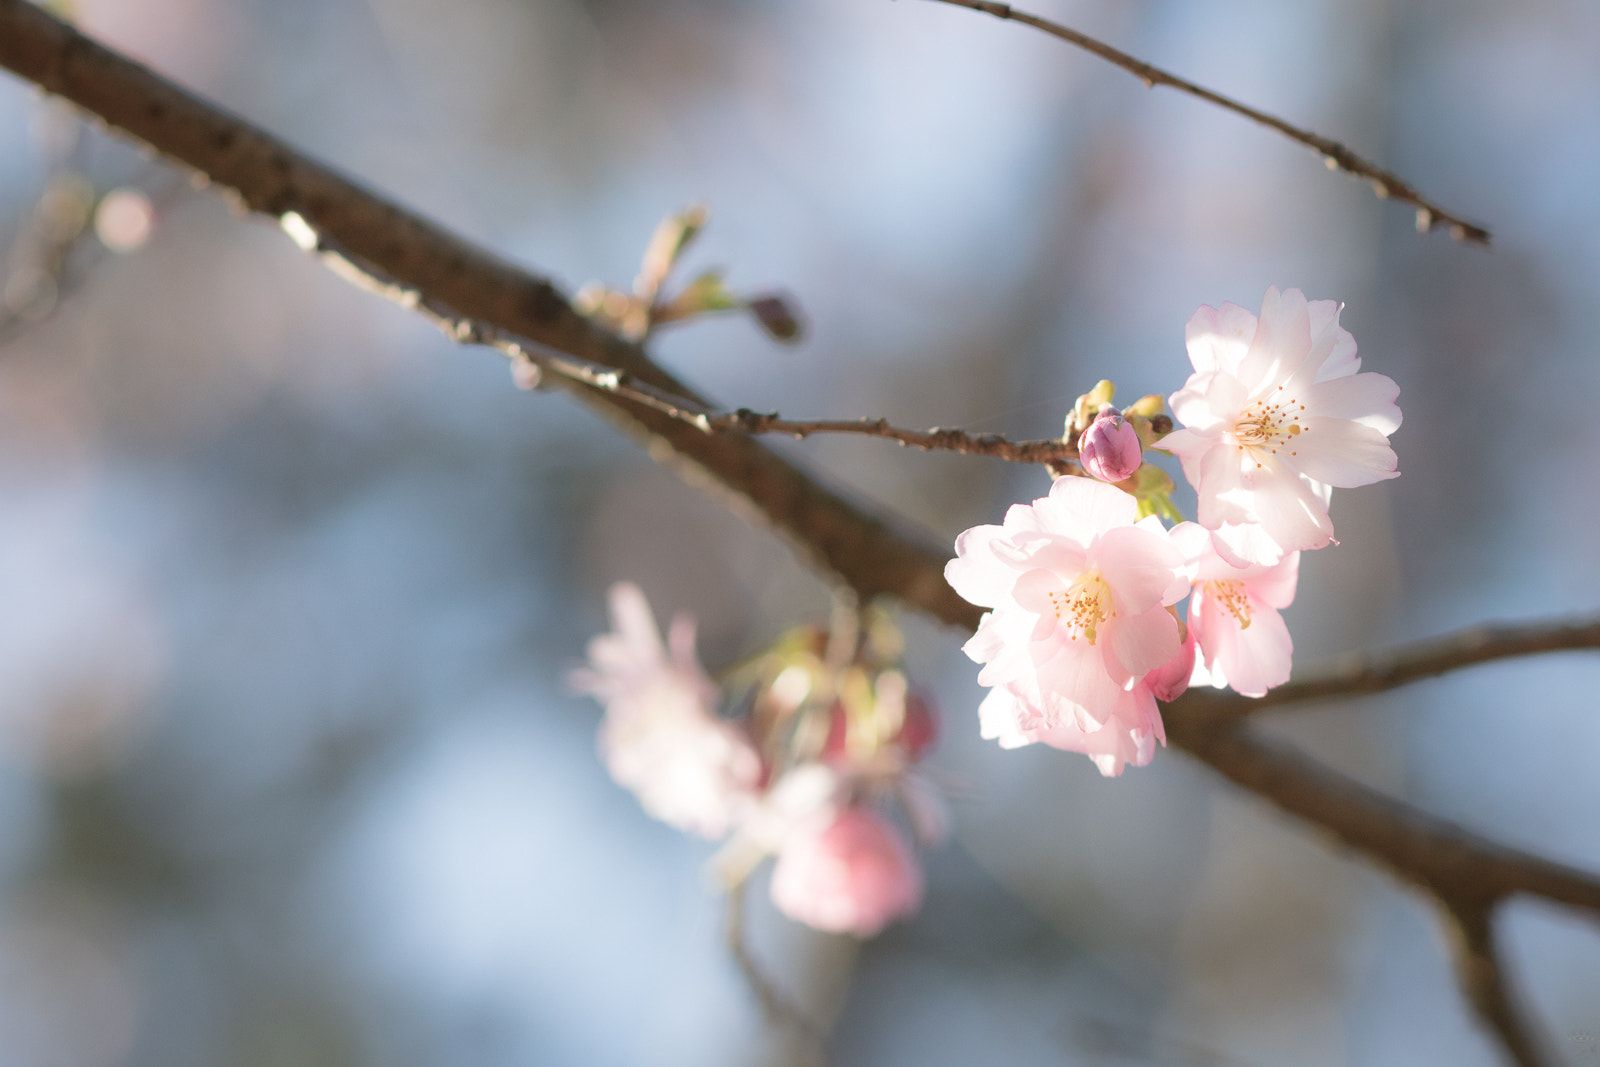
[
  {"x": 1481, "y": 970},
  {"x": 778, "y": 1009},
  {"x": 1386, "y": 185},
  {"x": 477, "y": 296},
  {"x": 1365, "y": 673}
]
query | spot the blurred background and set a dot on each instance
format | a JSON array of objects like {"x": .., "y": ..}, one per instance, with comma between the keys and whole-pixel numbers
[{"x": 288, "y": 584}]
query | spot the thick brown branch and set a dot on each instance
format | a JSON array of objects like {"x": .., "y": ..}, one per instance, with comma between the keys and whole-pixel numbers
[
  {"x": 1374, "y": 672},
  {"x": 1386, "y": 185}
]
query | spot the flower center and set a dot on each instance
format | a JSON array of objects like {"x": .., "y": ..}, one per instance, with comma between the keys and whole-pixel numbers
[
  {"x": 1231, "y": 594},
  {"x": 1084, "y": 606},
  {"x": 1270, "y": 423}
]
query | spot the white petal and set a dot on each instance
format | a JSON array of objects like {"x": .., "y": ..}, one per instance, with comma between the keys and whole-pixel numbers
[
  {"x": 1343, "y": 453},
  {"x": 1365, "y": 398},
  {"x": 1218, "y": 338}
]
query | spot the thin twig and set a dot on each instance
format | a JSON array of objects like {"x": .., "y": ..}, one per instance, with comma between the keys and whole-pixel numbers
[
  {"x": 1384, "y": 184},
  {"x": 685, "y": 409},
  {"x": 938, "y": 439},
  {"x": 1365, "y": 673}
]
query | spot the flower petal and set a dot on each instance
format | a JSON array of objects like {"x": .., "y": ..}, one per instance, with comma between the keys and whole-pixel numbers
[
  {"x": 1344, "y": 453},
  {"x": 1365, "y": 398}
]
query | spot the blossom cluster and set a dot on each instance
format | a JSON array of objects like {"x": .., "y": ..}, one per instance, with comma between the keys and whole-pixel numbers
[
  {"x": 801, "y": 775},
  {"x": 1082, "y": 636}
]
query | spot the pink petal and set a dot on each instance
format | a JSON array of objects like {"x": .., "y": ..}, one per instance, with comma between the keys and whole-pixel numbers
[
  {"x": 975, "y": 574},
  {"x": 1245, "y": 544},
  {"x": 1128, "y": 736},
  {"x": 1082, "y": 508},
  {"x": 1136, "y": 646},
  {"x": 1275, "y": 586},
  {"x": 1139, "y": 565},
  {"x": 1253, "y": 659}
]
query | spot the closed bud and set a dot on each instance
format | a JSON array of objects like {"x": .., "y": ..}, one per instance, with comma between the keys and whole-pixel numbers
[{"x": 1109, "y": 449}]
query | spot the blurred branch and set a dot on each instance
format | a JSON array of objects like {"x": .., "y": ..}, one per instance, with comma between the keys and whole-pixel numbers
[
  {"x": 1364, "y": 673},
  {"x": 420, "y": 265},
  {"x": 1481, "y": 970},
  {"x": 465, "y": 284},
  {"x": 1467, "y": 876},
  {"x": 1386, "y": 185},
  {"x": 778, "y": 1008}
]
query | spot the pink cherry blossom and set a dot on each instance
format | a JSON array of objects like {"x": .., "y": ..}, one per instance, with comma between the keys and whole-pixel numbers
[
  {"x": 1078, "y": 587},
  {"x": 1233, "y": 616},
  {"x": 1274, "y": 415},
  {"x": 661, "y": 736},
  {"x": 853, "y": 875}
]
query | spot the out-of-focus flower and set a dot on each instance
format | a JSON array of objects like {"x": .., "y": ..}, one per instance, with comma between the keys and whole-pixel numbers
[
  {"x": 854, "y": 875},
  {"x": 1109, "y": 449},
  {"x": 1275, "y": 414},
  {"x": 124, "y": 220},
  {"x": 1233, "y": 615},
  {"x": 1078, "y": 591},
  {"x": 661, "y": 737}
]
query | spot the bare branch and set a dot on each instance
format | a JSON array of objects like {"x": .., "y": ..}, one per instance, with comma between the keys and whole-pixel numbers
[
  {"x": 1384, "y": 184},
  {"x": 1374, "y": 672},
  {"x": 1052, "y": 451},
  {"x": 1481, "y": 970}
]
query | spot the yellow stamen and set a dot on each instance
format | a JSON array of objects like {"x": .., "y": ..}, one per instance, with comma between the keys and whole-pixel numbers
[
  {"x": 1085, "y": 606},
  {"x": 1230, "y": 593}
]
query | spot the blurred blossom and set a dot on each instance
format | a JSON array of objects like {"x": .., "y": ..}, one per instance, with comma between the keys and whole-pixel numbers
[
  {"x": 853, "y": 876},
  {"x": 661, "y": 736},
  {"x": 124, "y": 220},
  {"x": 66, "y": 992},
  {"x": 79, "y": 650}
]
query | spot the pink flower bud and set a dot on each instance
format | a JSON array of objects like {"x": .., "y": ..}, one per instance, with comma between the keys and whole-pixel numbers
[
  {"x": 853, "y": 876},
  {"x": 1109, "y": 449}
]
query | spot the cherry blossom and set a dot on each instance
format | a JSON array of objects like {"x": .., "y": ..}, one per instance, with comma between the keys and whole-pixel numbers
[
  {"x": 661, "y": 736},
  {"x": 852, "y": 875},
  {"x": 1274, "y": 415},
  {"x": 1078, "y": 587},
  {"x": 1233, "y": 616}
]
